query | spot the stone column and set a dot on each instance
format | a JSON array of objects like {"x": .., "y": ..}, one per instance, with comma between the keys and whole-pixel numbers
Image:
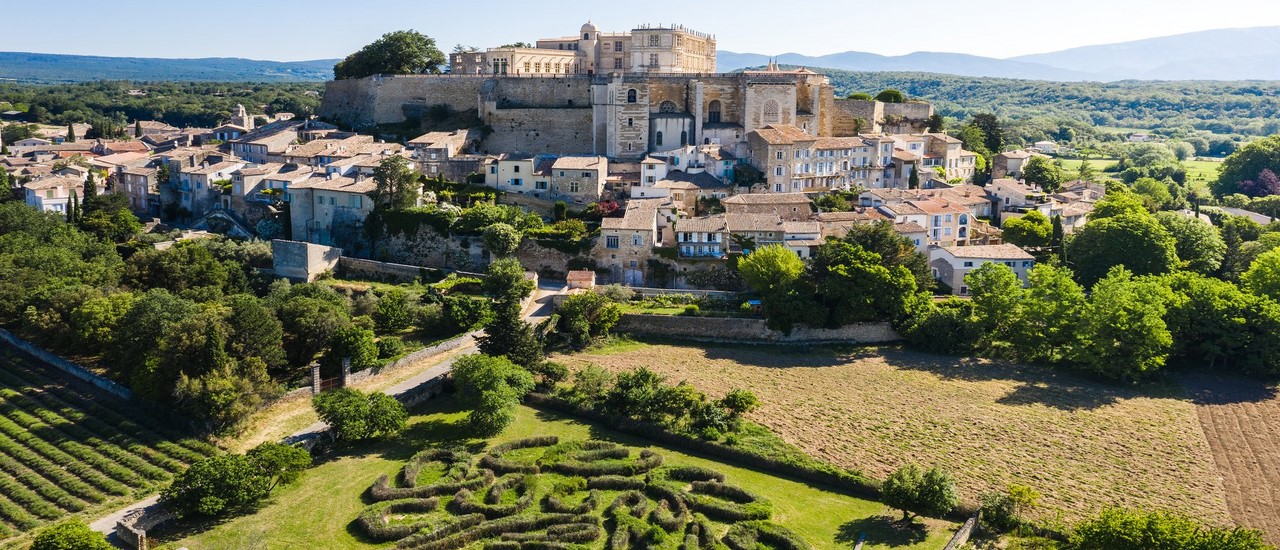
[
  {"x": 346, "y": 370},
  {"x": 315, "y": 378}
]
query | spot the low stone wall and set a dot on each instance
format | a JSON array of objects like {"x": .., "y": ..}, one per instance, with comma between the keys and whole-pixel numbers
[
  {"x": 962, "y": 536},
  {"x": 447, "y": 345},
  {"x": 40, "y": 354},
  {"x": 358, "y": 268},
  {"x": 750, "y": 330},
  {"x": 132, "y": 530}
]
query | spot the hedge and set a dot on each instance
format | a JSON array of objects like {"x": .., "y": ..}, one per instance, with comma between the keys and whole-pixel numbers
[
  {"x": 615, "y": 483},
  {"x": 501, "y": 465},
  {"x": 489, "y": 529},
  {"x": 615, "y": 453},
  {"x": 461, "y": 524},
  {"x": 526, "y": 443},
  {"x": 382, "y": 489},
  {"x": 728, "y": 503},
  {"x": 553, "y": 503},
  {"x": 691, "y": 473},
  {"x": 374, "y": 518},
  {"x": 648, "y": 460},
  {"x": 463, "y": 501},
  {"x": 850, "y": 482},
  {"x": 751, "y": 535}
]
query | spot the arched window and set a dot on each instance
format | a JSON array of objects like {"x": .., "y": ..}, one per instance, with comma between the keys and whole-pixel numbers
[
  {"x": 667, "y": 107},
  {"x": 713, "y": 111},
  {"x": 964, "y": 219},
  {"x": 771, "y": 112},
  {"x": 631, "y": 96},
  {"x": 657, "y": 140},
  {"x": 586, "y": 36},
  {"x": 684, "y": 138}
]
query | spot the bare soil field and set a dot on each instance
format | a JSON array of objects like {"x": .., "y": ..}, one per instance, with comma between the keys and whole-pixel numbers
[
  {"x": 1083, "y": 444},
  {"x": 1241, "y": 419}
]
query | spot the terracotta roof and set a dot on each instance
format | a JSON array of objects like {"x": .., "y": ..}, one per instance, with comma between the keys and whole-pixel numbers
[
  {"x": 120, "y": 159},
  {"x": 861, "y": 215},
  {"x": 260, "y": 169},
  {"x": 126, "y": 146},
  {"x": 937, "y": 206},
  {"x": 753, "y": 222},
  {"x": 783, "y": 134},
  {"x": 903, "y": 209},
  {"x": 53, "y": 182},
  {"x": 226, "y": 165},
  {"x": 635, "y": 219},
  {"x": 705, "y": 224},
  {"x": 701, "y": 180},
  {"x": 791, "y": 228},
  {"x": 989, "y": 252},
  {"x": 839, "y": 143},
  {"x": 579, "y": 163},
  {"x": 651, "y": 160},
  {"x": 766, "y": 198},
  {"x": 337, "y": 183},
  {"x": 1016, "y": 154},
  {"x": 909, "y": 227}
]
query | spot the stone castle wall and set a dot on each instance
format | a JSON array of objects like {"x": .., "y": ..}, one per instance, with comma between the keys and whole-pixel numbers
[
  {"x": 556, "y": 130},
  {"x": 366, "y": 102}
]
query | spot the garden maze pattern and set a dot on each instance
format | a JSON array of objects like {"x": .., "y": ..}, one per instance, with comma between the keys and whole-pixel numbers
[
  {"x": 65, "y": 451},
  {"x": 544, "y": 494}
]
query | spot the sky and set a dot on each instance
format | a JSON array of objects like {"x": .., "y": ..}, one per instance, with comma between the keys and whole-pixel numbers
[{"x": 294, "y": 30}]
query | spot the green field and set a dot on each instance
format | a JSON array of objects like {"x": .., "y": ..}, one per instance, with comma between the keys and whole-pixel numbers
[
  {"x": 1202, "y": 170},
  {"x": 65, "y": 452},
  {"x": 319, "y": 511}
]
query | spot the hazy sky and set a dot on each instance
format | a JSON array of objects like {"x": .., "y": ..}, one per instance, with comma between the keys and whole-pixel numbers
[{"x": 290, "y": 30}]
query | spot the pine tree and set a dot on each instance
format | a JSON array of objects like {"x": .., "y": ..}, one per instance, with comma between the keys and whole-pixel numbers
[
  {"x": 1058, "y": 240},
  {"x": 71, "y": 133}
]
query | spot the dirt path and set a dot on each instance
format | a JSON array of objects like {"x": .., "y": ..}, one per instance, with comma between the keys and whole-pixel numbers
[{"x": 1241, "y": 420}]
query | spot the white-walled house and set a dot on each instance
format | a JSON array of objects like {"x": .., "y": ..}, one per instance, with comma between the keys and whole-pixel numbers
[
  {"x": 950, "y": 264},
  {"x": 52, "y": 194}
]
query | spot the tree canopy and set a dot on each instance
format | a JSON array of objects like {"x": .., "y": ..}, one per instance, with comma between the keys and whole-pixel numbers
[
  {"x": 1247, "y": 163},
  {"x": 1136, "y": 241},
  {"x": 399, "y": 52}
]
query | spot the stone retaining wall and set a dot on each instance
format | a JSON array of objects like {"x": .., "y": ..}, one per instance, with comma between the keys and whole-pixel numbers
[
  {"x": 40, "y": 354},
  {"x": 750, "y": 330}
]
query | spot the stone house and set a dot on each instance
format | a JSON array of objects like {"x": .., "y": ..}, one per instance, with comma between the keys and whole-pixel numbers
[
  {"x": 266, "y": 144},
  {"x": 702, "y": 237},
  {"x": 950, "y": 264},
  {"x": 1009, "y": 164},
  {"x": 626, "y": 244},
  {"x": 196, "y": 189},
  {"x": 579, "y": 180},
  {"x": 325, "y": 209},
  {"x": 788, "y": 206}
]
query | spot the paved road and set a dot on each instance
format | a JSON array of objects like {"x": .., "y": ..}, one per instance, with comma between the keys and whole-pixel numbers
[{"x": 538, "y": 309}]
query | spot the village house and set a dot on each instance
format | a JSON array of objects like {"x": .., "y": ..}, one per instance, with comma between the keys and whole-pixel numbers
[
  {"x": 793, "y": 160},
  {"x": 53, "y": 193},
  {"x": 325, "y": 207},
  {"x": 1009, "y": 164},
  {"x": 837, "y": 224},
  {"x": 435, "y": 151},
  {"x": 266, "y": 144},
  {"x": 626, "y": 244},
  {"x": 514, "y": 173},
  {"x": 199, "y": 188},
  {"x": 950, "y": 264},
  {"x": 140, "y": 184},
  {"x": 578, "y": 180},
  {"x": 788, "y": 206},
  {"x": 702, "y": 237}
]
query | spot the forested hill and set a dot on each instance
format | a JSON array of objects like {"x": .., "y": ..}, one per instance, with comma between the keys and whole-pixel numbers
[
  {"x": 50, "y": 68},
  {"x": 1249, "y": 108}
]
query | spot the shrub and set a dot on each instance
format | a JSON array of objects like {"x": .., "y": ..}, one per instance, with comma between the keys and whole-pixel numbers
[
  {"x": 390, "y": 346},
  {"x": 70, "y": 535},
  {"x": 691, "y": 310},
  {"x": 374, "y": 518},
  {"x": 752, "y": 535},
  {"x": 393, "y": 313}
]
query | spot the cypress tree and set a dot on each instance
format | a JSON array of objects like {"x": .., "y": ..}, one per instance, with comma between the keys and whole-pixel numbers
[
  {"x": 1059, "y": 240},
  {"x": 90, "y": 187},
  {"x": 73, "y": 214},
  {"x": 137, "y": 129},
  {"x": 71, "y": 133},
  {"x": 913, "y": 182}
]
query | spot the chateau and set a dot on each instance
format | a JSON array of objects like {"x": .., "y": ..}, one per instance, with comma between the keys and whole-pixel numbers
[
  {"x": 645, "y": 49},
  {"x": 659, "y": 96}
]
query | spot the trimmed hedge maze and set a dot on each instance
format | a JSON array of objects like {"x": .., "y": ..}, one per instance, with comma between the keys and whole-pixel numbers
[
  {"x": 63, "y": 451},
  {"x": 545, "y": 494}
]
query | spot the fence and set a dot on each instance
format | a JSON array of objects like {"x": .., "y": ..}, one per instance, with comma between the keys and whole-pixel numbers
[{"x": 64, "y": 365}]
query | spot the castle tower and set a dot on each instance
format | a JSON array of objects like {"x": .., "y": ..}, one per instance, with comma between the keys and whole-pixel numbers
[{"x": 588, "y": 52}]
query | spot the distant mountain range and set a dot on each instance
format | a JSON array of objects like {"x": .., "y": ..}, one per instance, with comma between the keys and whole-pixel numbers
[
  {"x": 1225, "y": 54},
  {"x": 42, "y": 67}
]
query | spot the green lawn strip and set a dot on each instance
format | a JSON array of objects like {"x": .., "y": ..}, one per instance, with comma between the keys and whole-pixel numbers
[{"x": 322, "y": 507}]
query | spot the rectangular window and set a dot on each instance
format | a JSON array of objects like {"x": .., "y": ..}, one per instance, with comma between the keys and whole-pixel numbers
[
  {"x": 653, "y": 40},
  {"x": 493, "y": 169},
  {"x": 517, "y": 182},
  {"x": 635, "y": 240},
  {"x": 333, "y": 201},
  {"x": 779, "y": 155},
  {"x": 968, "y": 264},
  {"x": 320, "y": 200},
  {"x": 617, "y": 46},
  {"x": 653, "y": 59},
  {"x": 948, "y": 218},
  {"x": 516, "y": 168},
  {"x": 611, "y": 241},
  {"x": 540, "y": 185},
  {"x": 617, "y": 63}
]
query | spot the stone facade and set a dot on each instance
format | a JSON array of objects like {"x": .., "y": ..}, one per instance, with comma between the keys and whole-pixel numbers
[
  {"x": 618, "y": 116},
  {"x": 647, "y": 49},
  {"x": 302, "y": 261}
]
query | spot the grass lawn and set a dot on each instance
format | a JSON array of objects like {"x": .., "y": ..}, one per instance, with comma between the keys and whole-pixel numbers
[
  {"x": 319, "y": 511},
  {"x": 1084, "y": 445},
  {"x": 1202, "y": 169}
]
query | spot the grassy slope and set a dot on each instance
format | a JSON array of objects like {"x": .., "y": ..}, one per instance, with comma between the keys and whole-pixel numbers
[
  {"x": 320, "y": 509},
  {"x": 1082, "y": 444}
]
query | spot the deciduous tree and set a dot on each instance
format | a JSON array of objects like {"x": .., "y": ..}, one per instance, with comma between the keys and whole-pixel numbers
[
  {"x": 1136, "y": 241},
  {"x": 399, "y": 52},
  {"x": 493, "y": 387},
  {"x": 1198, "y": 244},
  {"x": 770, "y": 267}
]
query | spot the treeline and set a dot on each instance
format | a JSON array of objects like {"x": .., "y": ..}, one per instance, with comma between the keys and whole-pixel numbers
[
  {"x": 1170, "y": 108},
  {"x": 179, "y": 104},
  {"x": 195, "y": 326}
]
